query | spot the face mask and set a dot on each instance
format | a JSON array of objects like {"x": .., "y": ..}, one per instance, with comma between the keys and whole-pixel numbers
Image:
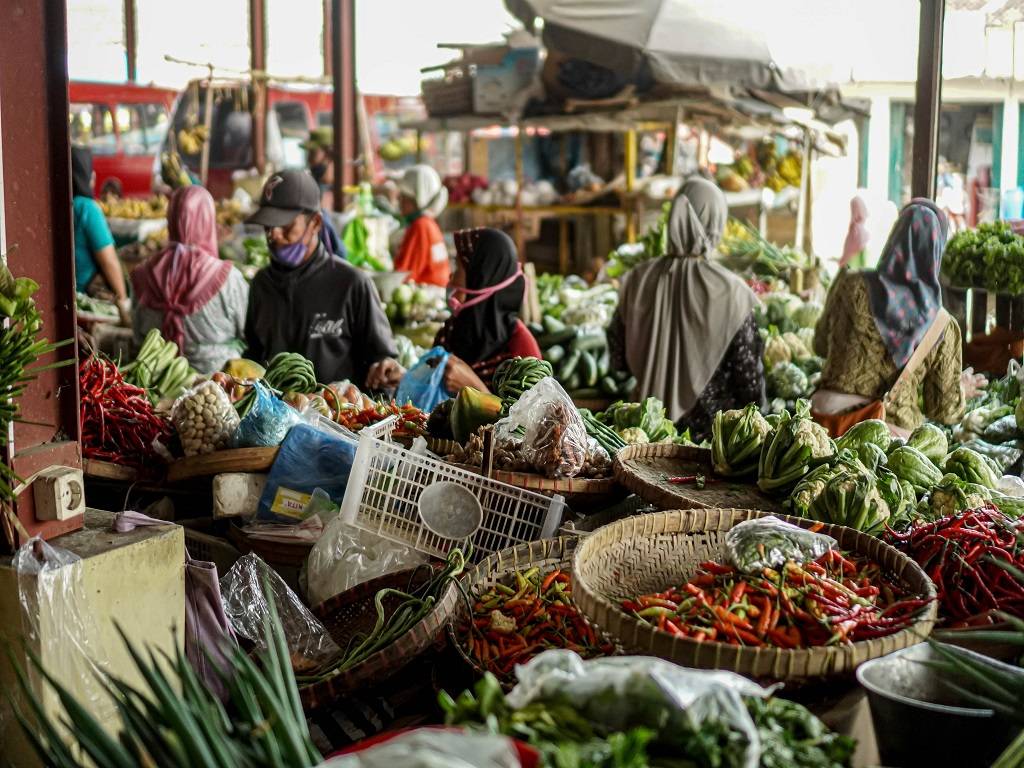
[
  {"x": 482, "y": 294},
  {"x": 290, "y": 255},
  {"x": 318, "y": 170}
]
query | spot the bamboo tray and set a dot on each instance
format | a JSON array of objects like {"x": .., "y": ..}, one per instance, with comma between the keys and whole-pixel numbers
[
  {"x": 647, "y": 553},
  {"x": 232, "y": 460},
  {"x": 645, "y": 469},
  {"x": 353, "y": 613}
]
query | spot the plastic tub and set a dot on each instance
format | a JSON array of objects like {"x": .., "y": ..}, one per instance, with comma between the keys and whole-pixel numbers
[{"x": 917, "y": 723}]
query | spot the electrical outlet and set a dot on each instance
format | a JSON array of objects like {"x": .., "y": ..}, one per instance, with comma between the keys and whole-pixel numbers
[{"x": 59, "y": 493}]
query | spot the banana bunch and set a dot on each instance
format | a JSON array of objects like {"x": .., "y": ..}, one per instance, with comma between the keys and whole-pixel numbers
[
  {"x": 172, "y": 171},
  {"x": 131, "y": 208},
  {"x": 158, "y": 369},
  {"x": 191, "y": 140},
  {"x": 790, "y": 167},
  {"x": 230, "y": 212}
]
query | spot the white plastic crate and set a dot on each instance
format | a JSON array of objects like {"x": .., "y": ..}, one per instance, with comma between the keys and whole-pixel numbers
[{"x": 387, "y": 480}]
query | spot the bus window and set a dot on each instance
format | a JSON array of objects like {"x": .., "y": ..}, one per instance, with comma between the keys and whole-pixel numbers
[
  {"x": 324, "y": 119},
  {"x": 293, "y": 122},
  {"x": 142, "y": 127},
  {"x": 92, "y": 126}
]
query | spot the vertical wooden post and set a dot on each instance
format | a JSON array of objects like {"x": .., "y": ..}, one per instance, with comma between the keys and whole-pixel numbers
[
  {"x": 258, "y": 65},
  {"x": 520, "y": 234},
  {"x": 630, "y": 160},
  {"x": 131, "y": 41},
  {"x": 928, "y": 99},
  {"x": 343, "y": 113}
]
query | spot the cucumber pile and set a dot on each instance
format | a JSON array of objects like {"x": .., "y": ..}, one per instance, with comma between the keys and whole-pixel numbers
[
  {"x": 159, "y": 369},
  {"x": 580, "y": 359}
]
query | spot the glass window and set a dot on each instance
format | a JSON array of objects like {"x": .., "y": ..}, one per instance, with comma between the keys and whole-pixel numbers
[
  {"x": 293, "y": 119},
  {"x": 92, "y": 126},
  {"x": 142, "y": 127},
  {"x": 324, "y": 119}
]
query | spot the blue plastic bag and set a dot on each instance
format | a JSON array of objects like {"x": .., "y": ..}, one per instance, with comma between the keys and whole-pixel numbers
[
  {"x": 267, "y": 422},
  {"x": 309, "y": 458},
  {"x": 423, "y": 384}
]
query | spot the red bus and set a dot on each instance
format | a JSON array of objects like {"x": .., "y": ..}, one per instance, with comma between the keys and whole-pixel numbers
[{"x": 124, "y": 125}]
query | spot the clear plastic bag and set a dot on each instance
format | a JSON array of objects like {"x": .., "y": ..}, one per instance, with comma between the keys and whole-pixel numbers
[
  {"x": 267, "y": 422},
  {"x": 767, "y": 542},
  {"x": 204, "y": 418},
  {"x": 346, "y": 556},
  {"x": 423, "y": 384},
  {"x": 622, "y": 692},
  {"x": 555, "y": 441},
  {"x": 59, "y": 624},
  {"x": 245, "y": 604},
  {"x": 434, "y": 748}
]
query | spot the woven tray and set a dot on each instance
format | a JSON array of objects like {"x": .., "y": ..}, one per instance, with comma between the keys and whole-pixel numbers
[
  {"x": 353, "y": 612},
  {"x": 645, "y": 469},
  {"x": 501, "y": 567},
  {"x": 647, "y": 553}
]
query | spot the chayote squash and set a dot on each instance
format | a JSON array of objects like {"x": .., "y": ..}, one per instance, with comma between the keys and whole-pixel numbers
[
  {"x": 929, "y": 440},
  {"x": 971, "y": 467},
  {"x": 873, "y": 431},
  {"x": 909, "y": 464}
]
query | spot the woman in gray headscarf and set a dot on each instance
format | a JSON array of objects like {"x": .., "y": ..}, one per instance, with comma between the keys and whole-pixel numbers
[{"x": 685, "y": 327}]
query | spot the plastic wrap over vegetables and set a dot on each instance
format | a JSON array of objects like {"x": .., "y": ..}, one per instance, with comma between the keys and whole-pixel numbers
[
  {"x": 555, "y": 442},
  {"x": 432, "y": 748},
  {"x": 245, "y": 604},
  {"x": 767, "y": 542},
  {"x": 623, "y": 692}
]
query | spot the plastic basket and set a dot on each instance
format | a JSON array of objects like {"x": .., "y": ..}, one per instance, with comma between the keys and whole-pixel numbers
[{"x": 384, "y": 489}]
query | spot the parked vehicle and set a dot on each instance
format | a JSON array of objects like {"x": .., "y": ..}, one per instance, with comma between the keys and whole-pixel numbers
[{"x": 124, "y": 125}]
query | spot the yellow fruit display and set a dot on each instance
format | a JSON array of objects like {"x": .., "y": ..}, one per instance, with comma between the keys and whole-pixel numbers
[{"x": 131, "y": 208}]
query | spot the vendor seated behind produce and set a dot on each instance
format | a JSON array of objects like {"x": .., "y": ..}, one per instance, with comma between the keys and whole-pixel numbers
[
  {"x": 197, "y": 300},
  {"x": 98, "y": 271},
  {"x": 685, "y": 325},
  {"x": 487, "y": 294},
  {"x": 422, "y": 253},
  {"x": 874, "y": 320},
  {"x": 311, "y": 302}
]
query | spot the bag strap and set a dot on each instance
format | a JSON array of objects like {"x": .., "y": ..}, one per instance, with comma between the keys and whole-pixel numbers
[{"x": 928, "y": 343}]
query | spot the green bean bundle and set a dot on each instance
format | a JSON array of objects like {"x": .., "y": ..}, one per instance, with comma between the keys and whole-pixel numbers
[{"x": 291, "y": 372}]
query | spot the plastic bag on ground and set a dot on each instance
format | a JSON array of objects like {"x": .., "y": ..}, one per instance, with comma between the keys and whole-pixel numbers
[
  {"x": 267, "y": 422},
  {"x": 309, "y": 458},
  {"x": 423, "y": 384},
  {"x": 767, "y": 542},
  {"x": 59, "y": 624},
  {"x": 434, "y": 748},
  {"x": 555, "y": 440},
  {"x": 245, "y": 604},
  {"x": 346, "y": 556},
  {"x": 623, "y": 692}
]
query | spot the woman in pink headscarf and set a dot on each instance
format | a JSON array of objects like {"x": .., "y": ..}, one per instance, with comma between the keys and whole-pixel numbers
[
  {"x": 196, "y": 300},
  {"x": 857, "y": 235}
]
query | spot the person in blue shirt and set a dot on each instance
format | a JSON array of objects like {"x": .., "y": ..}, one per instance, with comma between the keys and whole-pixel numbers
[{"x": 97, "y": 268}]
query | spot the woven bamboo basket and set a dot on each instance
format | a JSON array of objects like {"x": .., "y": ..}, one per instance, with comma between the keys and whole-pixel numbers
[
  {"x": 645, "y": 470},
  {"x": 647, "y": 553},
  {"x": 353, "y": 613},
  {"x": 546, "y": 554}
]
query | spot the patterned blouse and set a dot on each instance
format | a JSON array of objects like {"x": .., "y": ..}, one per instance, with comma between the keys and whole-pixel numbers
[
  {"x": 862, "y": 365},
  {"x": 738, "y": 380}
]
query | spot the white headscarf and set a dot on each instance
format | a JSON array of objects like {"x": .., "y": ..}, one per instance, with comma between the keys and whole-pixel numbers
[
  {"x": 422, "y": 184},
  {"x": 682, "y": 310}
]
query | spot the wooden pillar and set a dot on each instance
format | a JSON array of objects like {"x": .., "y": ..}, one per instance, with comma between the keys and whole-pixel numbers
[
  {"x": 630, "y": 161},
  {"x": 258, "y": 65},
  {"x": 131, "y": 41},
  {"x": 343, "y": 113},
  {"x": 928, "y": 99}
]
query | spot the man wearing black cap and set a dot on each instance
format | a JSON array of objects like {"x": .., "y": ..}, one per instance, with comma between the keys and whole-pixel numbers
[{"x": 310, "y": 301}]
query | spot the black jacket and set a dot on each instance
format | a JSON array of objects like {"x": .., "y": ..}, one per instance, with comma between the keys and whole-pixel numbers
[{"x": 325, "y": 309}]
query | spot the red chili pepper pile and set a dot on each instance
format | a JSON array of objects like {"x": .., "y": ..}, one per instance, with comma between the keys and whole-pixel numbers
[
  {"x": 962, "y": 553},
  {"x": 118, "y": 420},
  {"x": 834, "y": 599},
  {"x": 512, "y": 625},
  {"x": 412, "y": 422}
]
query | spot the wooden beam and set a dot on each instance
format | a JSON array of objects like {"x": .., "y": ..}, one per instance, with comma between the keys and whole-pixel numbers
[
  {"x": 131, "y": 40},
  {"x": 928, "y": 99},
  {"x": 343, "y": 113},
  {"x": 258, "y": 63}
]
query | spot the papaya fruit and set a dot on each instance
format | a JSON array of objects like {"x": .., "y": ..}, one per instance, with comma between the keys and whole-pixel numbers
[{"x": 473, "y": 409}]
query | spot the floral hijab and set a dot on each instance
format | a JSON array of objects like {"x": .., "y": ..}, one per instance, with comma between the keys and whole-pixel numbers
[{"x": 904, "y": 292}]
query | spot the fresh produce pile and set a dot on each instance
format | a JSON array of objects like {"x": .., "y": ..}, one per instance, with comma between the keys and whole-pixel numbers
[
  {"x": 580, "y": 359},
  {"x": 792, "y": 370},
  {"x": 410, "y": 304},
  {"x": 118, "y": 421},
  {"x": 795, "y": 444},
  {"x": 21, "y": 347},
  {"x": 393, "y": 621},
  {"x": 509, "y": 456},
  {"x": 736, "y": 440},
  {"x": 461, "y": 188},
  {"x": 230, "y": 212},
  {"x": 412, "y": 422},
  {"x": 633, "y": 726},
  {"x": 835, "y": 599},
  {"x": 641, "y": 423},
  {"x": 132, "y": 208},
  {"x": 513, "y": 622},
  {"x": 653, "y": 243},
  {"x": 98, "y": 307},
  {"x": 575, "y": 303},
  {"x": 205, "y": 419},
  {"x": 990, "y": 257},
  {"x": 516, "y": 375},
  {"x": 975, "y": 558},
  {"x": 745, "y": 251},
  {"x": 159, "y": 369}
]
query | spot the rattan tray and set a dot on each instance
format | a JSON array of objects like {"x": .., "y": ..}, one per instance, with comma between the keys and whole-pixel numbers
[
  {"x": 353, "y": 612},
  {"x": 647, "y": 553},
  {"x": 645, "y": 469},
  {"x": 501, "y": 567}
]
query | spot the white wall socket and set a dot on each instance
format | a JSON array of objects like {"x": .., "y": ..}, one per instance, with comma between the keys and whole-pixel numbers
[{"x": 59, "y": 493}]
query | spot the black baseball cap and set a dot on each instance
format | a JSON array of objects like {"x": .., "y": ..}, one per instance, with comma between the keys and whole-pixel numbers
[{"x": 285, "y": 195}]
